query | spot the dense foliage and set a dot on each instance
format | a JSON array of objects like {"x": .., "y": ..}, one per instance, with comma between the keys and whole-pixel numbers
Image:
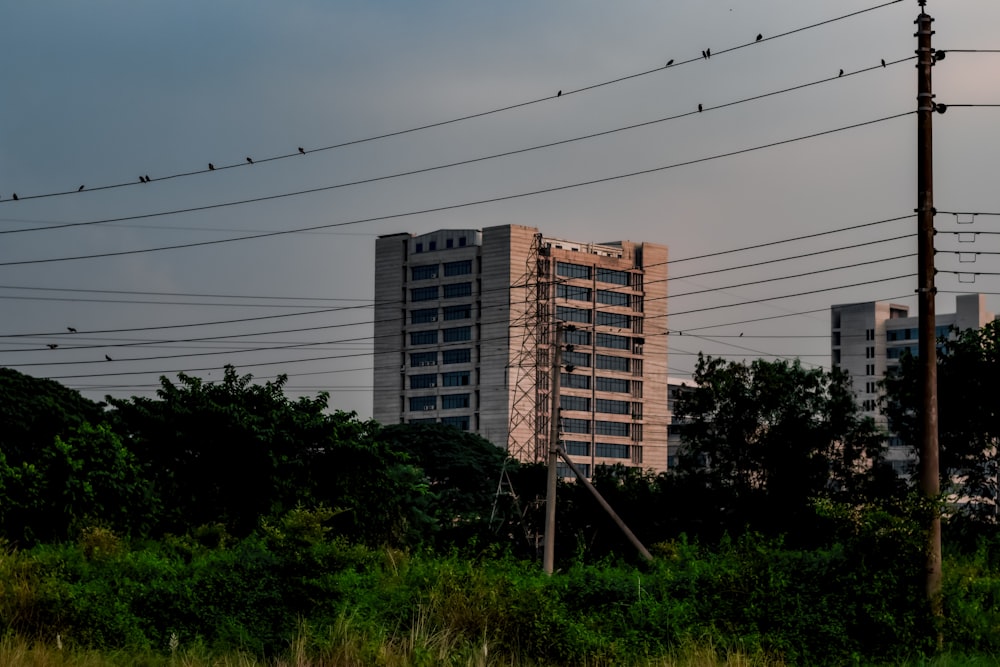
[
  {"x": 968, "y": 415},
  {"x": 225, "y": 514}
]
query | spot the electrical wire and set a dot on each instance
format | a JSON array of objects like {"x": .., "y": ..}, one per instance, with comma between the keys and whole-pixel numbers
[
  {"x": 449, "y": 207},
  {"x": 481, "y": 114}
]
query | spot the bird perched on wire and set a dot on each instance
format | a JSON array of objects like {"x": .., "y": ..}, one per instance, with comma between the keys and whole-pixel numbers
[
  {"x": 559, "y": 94},
  {"x": 708, "y": 53},
  {"x": 71, "y": 329},
  {"x": 302, "y": 150},
  {"x": 841, "y": 73},
  {"x": 80, "y": 189},
  {"x": 759, "y": 36},
  {"x": 14, "y": 195},
  {"x": 670, "y": 62},
  {"x": 883, "y": 62},
  {"x": 699, "y": 107},
  {"x": 147, "y": 178},
  {"x": 211, "y": 167},
  {"x": 51, "y": 346},
  {"x": 108, "y": 358},
  {"x": 249, "y": 160}
]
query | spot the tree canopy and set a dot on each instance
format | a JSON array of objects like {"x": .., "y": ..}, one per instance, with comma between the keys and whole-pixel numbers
[
  {"x": 968, "y": 414},
  {"x": 762, "y": 440}
]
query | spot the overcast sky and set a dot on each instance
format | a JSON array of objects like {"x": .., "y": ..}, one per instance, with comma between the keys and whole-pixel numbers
[{"x": 101, "y": 93}]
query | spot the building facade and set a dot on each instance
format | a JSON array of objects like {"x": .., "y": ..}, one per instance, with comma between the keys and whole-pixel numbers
[
  {"x": 868, "y": 339},
  {"x": 465, "y": 327}
]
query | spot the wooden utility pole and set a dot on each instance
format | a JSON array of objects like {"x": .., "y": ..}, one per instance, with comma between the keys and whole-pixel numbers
[
  {"x": 549, "y": 552},
  {"x": 929, "y": 470}
]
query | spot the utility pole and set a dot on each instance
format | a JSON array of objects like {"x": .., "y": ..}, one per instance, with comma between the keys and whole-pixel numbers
[
  {"x": 929, "y": 472},
  {"x": 549, "y": 552}
]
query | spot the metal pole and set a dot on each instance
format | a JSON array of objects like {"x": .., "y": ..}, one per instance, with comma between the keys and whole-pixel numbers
[
  {"x": 929, "y": 472},
  {"x": 549, "y": 552}
]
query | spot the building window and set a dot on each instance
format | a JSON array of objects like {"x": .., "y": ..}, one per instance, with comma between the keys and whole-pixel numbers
[
  {"x": 613, "y": 341},
  {"x": 613, "y": 384},
  {"x": 425, "y": 272},
  {"x": 571, "y": 381},
  {"x": 620, "y": 429},
  {"x": 567, "y": 314},
  {"x": 612, "y": 451},
  {"x": 572, "y": 270},
  {"x": 461, "y": 241},
  {"x": 424, "y": 293},
  {"x": 612, "y": 298},
  {"x": 577, "y": 447},
  {"x": 613, "y": 407},
  {"x": 462, "y": 356},
  {"x": 424, "y": 420},
  {"x": 462, "y": 312},
  {"x": 563, "y": 470},
  {"x": 425, "y": 381},
  {"x": 457, "y": 334},
  {"x": 454, "y": 401},
  {"x": 609, "y": 363},
  {"x": 423, "y": 359},
  {"x": 423, "y": 337},
  {"x": 457, "y": 290},
  {"x": 614, "y": 320},
  {"x": 423, "y": 403},
  {"x": 420, "y": 247},
  {"x": 612, "y": 276},
  {"x": 461, "y": 423},
  {"x": 573, "y": 292},
  {"x": 455, "y": 379},
  {"x": 432, "y": 245},
  {"x": 576, "y": 337},
  {"x": 423, "y": 315},
  {"x": 458, "y": 268},
  {"x": 575, "y": 425},
  {"x": 574, "y": 403},
  {"x": 581, "y": 359}
]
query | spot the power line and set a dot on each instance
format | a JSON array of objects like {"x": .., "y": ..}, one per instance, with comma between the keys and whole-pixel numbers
[
  {"x": 459, "y": 119},
  {"x": 438, "y": 209}
]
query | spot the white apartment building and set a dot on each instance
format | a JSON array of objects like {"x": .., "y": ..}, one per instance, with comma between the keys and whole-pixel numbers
[
  {"x": 465, "y": 321},
  {"x": 868, "y": 339}
]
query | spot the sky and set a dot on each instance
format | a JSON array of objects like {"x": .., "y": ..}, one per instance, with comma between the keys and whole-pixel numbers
[{"x": 99, "y": 94}]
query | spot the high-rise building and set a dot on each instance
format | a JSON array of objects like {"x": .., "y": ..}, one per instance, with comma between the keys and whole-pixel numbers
[
  {"x": 466, "y": 320},
  {"x": 868, "y": 339}
]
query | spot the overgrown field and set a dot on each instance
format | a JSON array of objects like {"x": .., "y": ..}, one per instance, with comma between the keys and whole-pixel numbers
[{"x": 289, "y": 594}]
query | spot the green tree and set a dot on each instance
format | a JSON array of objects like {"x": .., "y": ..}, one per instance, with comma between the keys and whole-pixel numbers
[
  {"x": 462, "y": 471},
  {"x": 763, "y": 440},
  {"x": 235, "y": 451},
  {"x": 968, "y": 414}
]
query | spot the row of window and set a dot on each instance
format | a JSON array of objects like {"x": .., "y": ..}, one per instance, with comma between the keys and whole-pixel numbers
[
  {"x": 576, "y": 381},
  {"x": 460, "y": 422},
  {"x": 605, "y": 405},
  {"x": 914, "y": 334},
  {"x": 429, "y": 271},
  {"x": 430, "y": 380},
  {"x": 604, "y": 362},
  {"x": 432, "y": 292},
  {"x": 448, "y": 402},
  {"x": 461, "y": 356},
  {"x": 425, "y": 315},
  {"x": 448, "y": 243},
  {"x": 577, "y": 293},
  {"x": 619, "y": 429},
  {"x": 570, "y": 270},
  {"x": 586, "y": 316},
  {"x": 601, "y": 449},
  {"x": 453, "y": 335}
]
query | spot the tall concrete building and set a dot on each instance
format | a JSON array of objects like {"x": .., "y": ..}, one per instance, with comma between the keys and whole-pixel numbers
[
  {"x": 466, "y": 320},
  {"x": 868, "y": 339}
]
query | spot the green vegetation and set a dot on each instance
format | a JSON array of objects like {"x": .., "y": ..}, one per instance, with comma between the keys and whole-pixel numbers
[{"x": 223, "y": 523}]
